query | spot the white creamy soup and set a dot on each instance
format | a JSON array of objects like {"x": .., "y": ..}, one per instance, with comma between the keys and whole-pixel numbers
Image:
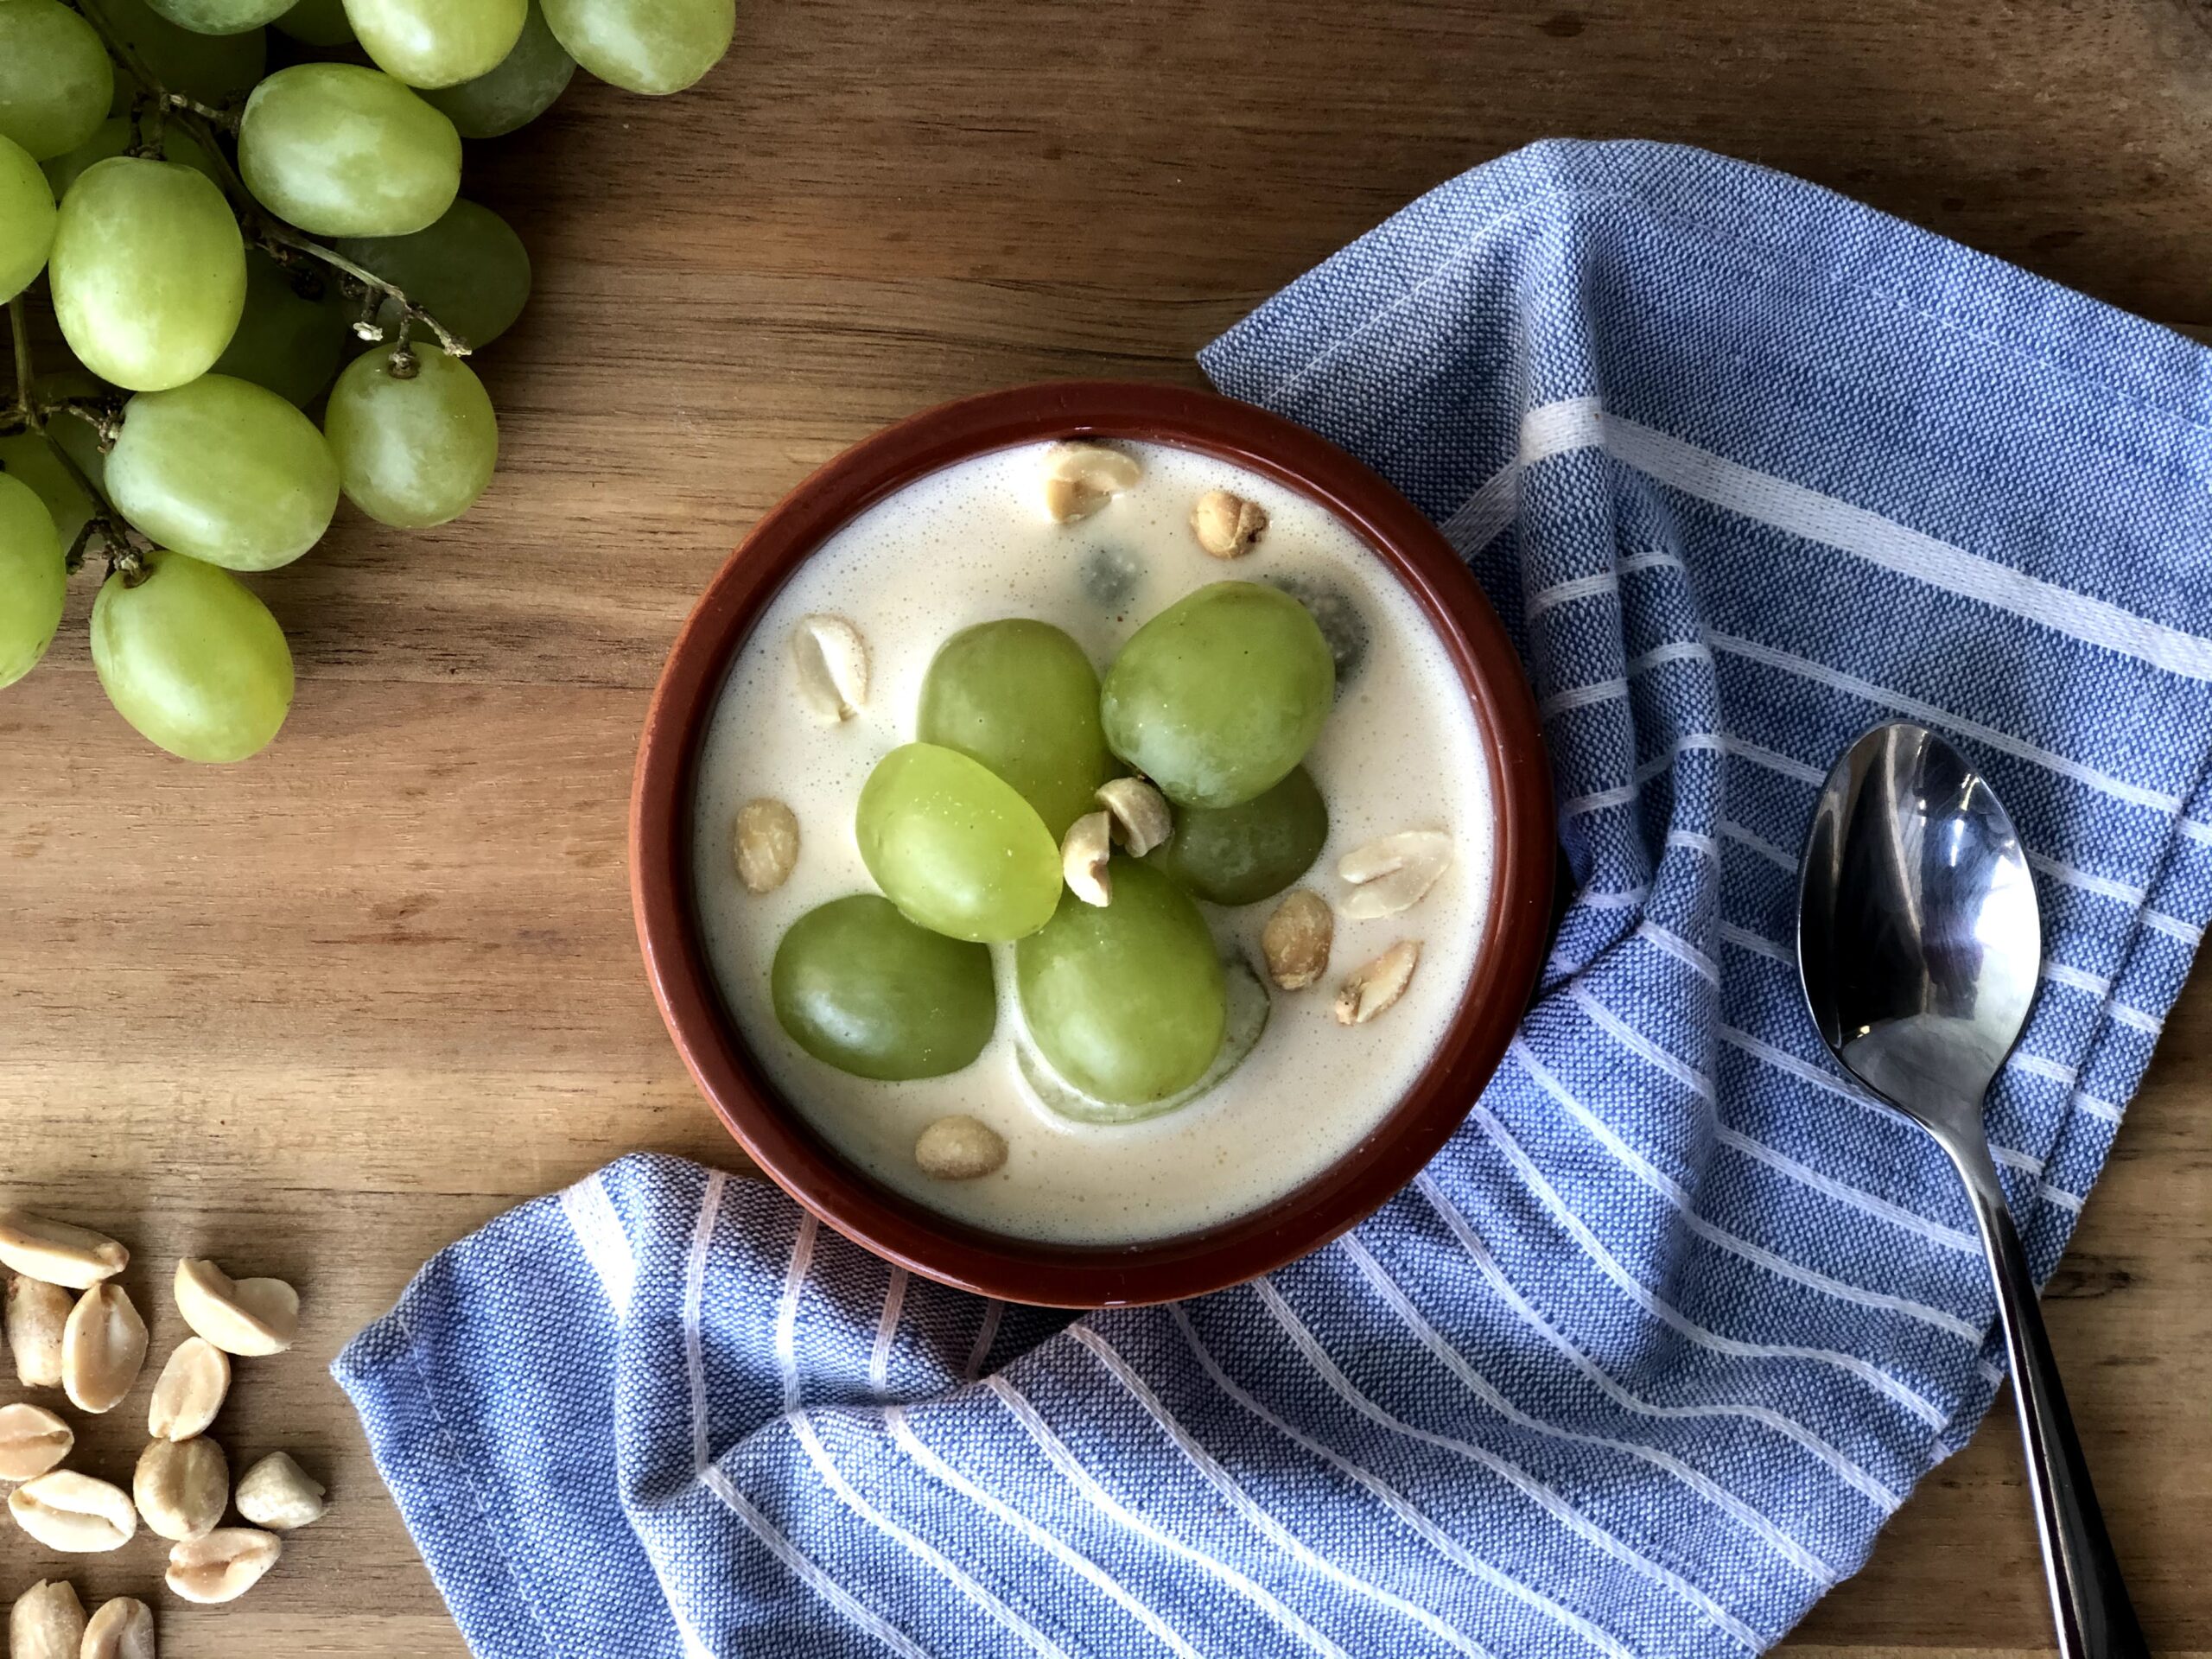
[{"x": 1402, "y": 751}]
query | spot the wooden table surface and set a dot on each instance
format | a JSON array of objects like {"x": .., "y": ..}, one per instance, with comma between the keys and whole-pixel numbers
[{"x": 321, "y": 1014}]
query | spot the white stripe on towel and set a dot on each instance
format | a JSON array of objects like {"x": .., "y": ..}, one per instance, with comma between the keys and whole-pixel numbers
[
  {"x": 910, "y": 1443},
  {"x": 1397, "y": 1504},
  {"x": 1106, "y": 1504},
  {"x": 1535, "y": 1490},
  {"x": 590, "y": 1214},
  {"x": 1582, "y": 423},
  {"x": 1746, "y": 1515},
  {"x": 1593, "y": 1247},
  {"x": 1211, "y": 1472},
  {"x": 1845, "y": 1468}
]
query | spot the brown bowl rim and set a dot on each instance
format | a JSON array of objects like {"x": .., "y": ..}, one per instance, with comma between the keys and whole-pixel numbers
[{"x": 897, "y": 1228}]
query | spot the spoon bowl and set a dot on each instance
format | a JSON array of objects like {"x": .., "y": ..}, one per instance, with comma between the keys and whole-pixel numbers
[{"x": 1919, "y": 937}]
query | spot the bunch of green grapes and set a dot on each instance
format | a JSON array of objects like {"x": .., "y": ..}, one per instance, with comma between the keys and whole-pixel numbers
[
  {"x": 211, "y": 240},
  {"x": 1124, "y": 998}
]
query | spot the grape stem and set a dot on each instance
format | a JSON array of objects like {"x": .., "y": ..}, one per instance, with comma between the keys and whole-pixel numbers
[
  {"x": 274, "y": 237},
  {"x": 116, "y": 538}
]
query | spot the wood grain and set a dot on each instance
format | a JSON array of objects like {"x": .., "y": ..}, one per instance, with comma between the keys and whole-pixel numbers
[{"x": 320, "y": 1015}]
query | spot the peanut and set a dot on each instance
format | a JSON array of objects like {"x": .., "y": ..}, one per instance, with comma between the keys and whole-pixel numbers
[
  {"x": 56, "y": 1252},
  {"x": 123, "y": 1629},
  {"x": 1375, "y": 986},
  {"x": 276, "y": 1493},
  {"x": 1227, "y": 525},
  {"x": 223, "y": 1565},
  {"x": 103, "y": 1348},
  {"x": 37, "y": 1311},
  {"x": 190, "y": 1391},
  {"x": 959, "y": 1149},
  {"x": 47, "y": 1622},
  {"x": 1296, "y": 940},
  {"x": 32, "y": 1440},
  {"x": 74, "y": 1513},
  {"x": 241, "y": 1315},
  {"x": 181, "y": 1487}
]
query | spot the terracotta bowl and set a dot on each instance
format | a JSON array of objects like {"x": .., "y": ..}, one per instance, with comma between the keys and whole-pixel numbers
[{"x": 892, "y": 1226}]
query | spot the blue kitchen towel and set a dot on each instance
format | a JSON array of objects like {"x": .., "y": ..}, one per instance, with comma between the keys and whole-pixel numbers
[{"x": 1642, "y": 1362}]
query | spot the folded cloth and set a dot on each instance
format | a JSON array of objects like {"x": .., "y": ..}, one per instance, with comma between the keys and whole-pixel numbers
[{"x": 1642, "y": 1362}]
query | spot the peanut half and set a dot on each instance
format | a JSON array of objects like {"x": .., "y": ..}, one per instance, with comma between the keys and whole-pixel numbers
[
  {"x": 189, "y": 1391},
  {"x": 123, "y": 1629},
  {"x": 831, "y": 660},
  {"x": 223, "y": 1565},
  {"x": 1084, "y": 857},
  {"x": 37, "y": 1311},
  {"x": 239, "y": 1316},
  {"x": 1081, "y": 478},
  {"x": 47, "y": 1622},
  {"x": 32, "y": 1440},
  {"x": 767, "y": 842},
  {"x": 74, "y": 1513},
  {"x": 960, "y": 1148},
  {"x": 1393, "y": 872},
  {"x": 1139, "y": 812},
  {"x": 276, "y": 1493},
  {"x": 1227, "y": 525},
  {"x": 1295, "y": 942},
  {"x": 1373, "y": 988},
  {"x": 181, "y": 1487},
  {"x": 103, "y": 1348},
  {"x": 56, "y": 1252}
]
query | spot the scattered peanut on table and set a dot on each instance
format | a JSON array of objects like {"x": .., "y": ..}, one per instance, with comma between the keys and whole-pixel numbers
[{"x": 71, "y": 1326}]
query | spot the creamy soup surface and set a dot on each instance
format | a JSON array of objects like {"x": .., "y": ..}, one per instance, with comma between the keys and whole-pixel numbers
[{"x": 1402, "y": 751}]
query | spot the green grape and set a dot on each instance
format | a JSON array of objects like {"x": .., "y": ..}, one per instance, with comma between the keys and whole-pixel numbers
[
  {"x": 469, "y": 271},
  {"x": 318, "y": 22},
  {"x": 1022, "y": 698},
  {"x": 1243, "y": 853},
  {"x": 27, "y": 219},
  {"x": 955, "y": 847},
  {"x": 225, "y": 471},
  {"x": 193, "y": 659},
  {"x": 112, "y": 137},
  {"x": 437, "y": 42},
  {"x": 213, "y": 68},
  {"x": 644, "y": 46},
  {"x": 293, "y": 334},
  {"x": 522, "y": 88},
  {"x": 28, "y": 456},
  {"x": 412, "y": 452},
  {"x": 1220, "y": 695},
  {"x": 55, "y": 79},
  {"x": 342, "y": 150},
  {"x": 34, "y": 580},
  {"x": 1128, "y": 1003},
  {"x": 1249, "y": 1007},
  {"x": 861, "y": 988},
  {"x": 221, "y": 16},
  {"x": 148, "y": 272}
]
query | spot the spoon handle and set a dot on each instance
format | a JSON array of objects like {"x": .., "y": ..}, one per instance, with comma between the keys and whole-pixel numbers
[{"x": 2087, "y": 1597}]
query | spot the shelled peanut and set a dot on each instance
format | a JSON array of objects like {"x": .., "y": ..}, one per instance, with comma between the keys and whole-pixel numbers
[{"x": 71, "y": 1326}]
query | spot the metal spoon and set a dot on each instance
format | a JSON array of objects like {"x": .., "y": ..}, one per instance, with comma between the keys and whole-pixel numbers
[{"x": 1919, "y": 943}]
